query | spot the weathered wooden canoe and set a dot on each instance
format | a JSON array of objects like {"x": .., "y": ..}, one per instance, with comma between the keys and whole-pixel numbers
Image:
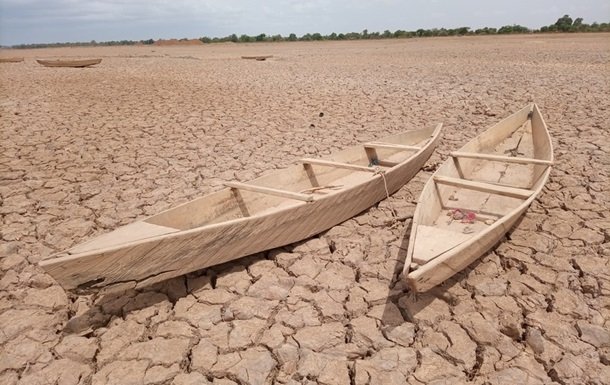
[
  {"x": 271, "y": 211},
  {"x": 80, "y": 63},
  {"x": 11, "y": 59},
  {"x": 258, "y": 58},
  {"x": 476, "y": 196}
]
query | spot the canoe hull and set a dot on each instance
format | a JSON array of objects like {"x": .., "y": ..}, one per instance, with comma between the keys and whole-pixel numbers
[
  {"x": 457, "y": 256},
  {"x": 160, "y": 258},
  {"x": 69, "y": 63}
]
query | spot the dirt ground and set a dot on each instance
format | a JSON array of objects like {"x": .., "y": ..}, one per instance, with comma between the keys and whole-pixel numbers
[{"x": 84, "y": 151}]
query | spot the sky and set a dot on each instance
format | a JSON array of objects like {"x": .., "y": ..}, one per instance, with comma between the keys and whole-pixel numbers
[{"x": 47, "y": 21}]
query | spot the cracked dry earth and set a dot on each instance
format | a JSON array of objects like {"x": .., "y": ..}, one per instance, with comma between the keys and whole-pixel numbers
[{"x": 86, "y": 150}]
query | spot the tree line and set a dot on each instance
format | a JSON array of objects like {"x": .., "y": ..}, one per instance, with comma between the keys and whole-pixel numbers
[{"x": 563, "y": 24}]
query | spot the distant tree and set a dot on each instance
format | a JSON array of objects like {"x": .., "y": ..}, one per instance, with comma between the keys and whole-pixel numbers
[
  {"x": 261, "y": 37},
  {"x": 486, "y": 31},
  {"x": 423, "y": 32},
  {"x": 292, "y": 37},
  {"x": 404, "y": 34},
  {"x": 564, "y": 23},
  {"x": 316, "y": 36},
  {"x": 578, "y": 25},
  {"x": 365, "y": 34},
  {"x": 332, "y": 36},
  {"x": 463, "y": 30},
  {"x": 245, "y": 38},
  {"x": 386, "y": 34},
  {"x": 505, "y": 29},
  {"x": 513, "y": 29}
]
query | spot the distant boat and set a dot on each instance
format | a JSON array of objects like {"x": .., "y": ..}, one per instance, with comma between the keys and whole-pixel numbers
[
  {"x": 11, "y": 59},
  {"x": 259, "y": 58},
  {"x": 476, "y": 196},
  {"x": 69, "y": 63},
  {"x": 277, "y": 209}
]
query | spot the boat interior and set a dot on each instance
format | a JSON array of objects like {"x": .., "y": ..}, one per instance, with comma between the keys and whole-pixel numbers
[
  {"x": 487, "y": 179},
  {"x": 292, "y": 186},
  {"x": 311, "y": 178}
]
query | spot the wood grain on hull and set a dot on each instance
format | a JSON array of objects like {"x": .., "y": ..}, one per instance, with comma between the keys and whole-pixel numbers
[
  {"x": 158, "y": 258},
  {"x": 501, "y": 173}
]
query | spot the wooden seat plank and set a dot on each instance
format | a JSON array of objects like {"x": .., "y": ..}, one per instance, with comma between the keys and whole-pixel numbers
[
  {"x": 329, "y": 163},
  {"x": 485, "y": 187},
  {"x": 391, "y": 146},
  {"x": 270, "y": 191},
  {"x": 500, "y": 158}
]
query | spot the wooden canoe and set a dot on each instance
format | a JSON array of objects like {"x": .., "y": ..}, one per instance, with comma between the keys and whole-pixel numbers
[
  {"x": 280, "y": 208},
  {"x": 69, "y": 63},
  {"x": 476, "y": 196},
  {"x": 258, "y": 58},
  {"x": 11, "y": 59}
]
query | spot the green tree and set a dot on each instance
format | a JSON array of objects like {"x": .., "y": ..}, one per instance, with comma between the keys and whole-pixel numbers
[
  {"x": 577, "y": 25},
  {"x": 564, "y": 23},
  {"x": 513, "y": 29},
  {"x": 292, "y": 37},
  {"x": 316, "y": 36},
  {"x": 463, "y": 30}
]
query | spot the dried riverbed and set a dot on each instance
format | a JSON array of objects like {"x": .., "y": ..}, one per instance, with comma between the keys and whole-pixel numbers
[{"x": 84, "y": 151}]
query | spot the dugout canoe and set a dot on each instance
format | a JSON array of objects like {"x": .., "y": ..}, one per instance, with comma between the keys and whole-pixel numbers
[
  {"x": 257, "y": 58},
  {"x": 80, "y": 63},
  {"x": 274, "y": 210},
  {"x": 476, "y": 196},
  {"x": 11, "y": 59}
]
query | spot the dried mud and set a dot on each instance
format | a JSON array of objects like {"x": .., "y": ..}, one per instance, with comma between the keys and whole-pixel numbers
[{"x": 84, "y": 151}]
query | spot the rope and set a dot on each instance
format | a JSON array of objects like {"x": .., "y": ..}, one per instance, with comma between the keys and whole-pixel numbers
[{"x": 379, "y": 171}]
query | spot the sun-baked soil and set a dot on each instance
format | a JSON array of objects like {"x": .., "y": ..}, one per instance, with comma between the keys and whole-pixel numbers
[{"x": 83, "y": 151}]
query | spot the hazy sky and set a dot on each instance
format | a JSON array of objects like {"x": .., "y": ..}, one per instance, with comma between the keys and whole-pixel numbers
[{"x": 43, "y": 21}]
